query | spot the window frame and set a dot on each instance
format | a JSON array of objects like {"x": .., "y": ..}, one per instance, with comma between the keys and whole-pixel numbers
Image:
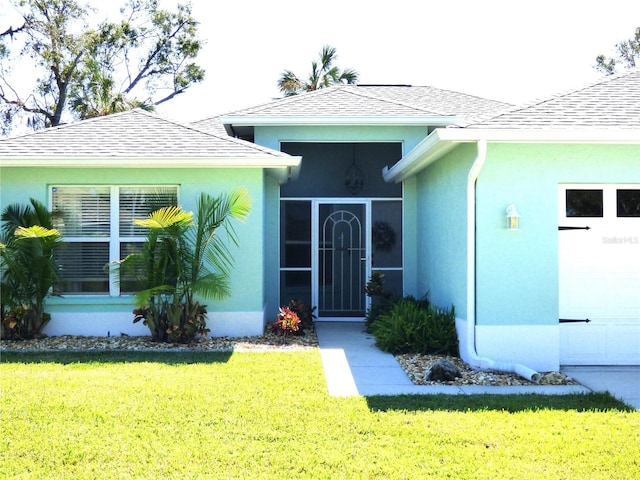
[{"x": 114, "y": 239}]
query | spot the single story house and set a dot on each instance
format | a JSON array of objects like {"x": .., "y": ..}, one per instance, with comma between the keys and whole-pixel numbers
[
  {"x": 101, "y": 173},
  {"x": 526, "y": 219}
]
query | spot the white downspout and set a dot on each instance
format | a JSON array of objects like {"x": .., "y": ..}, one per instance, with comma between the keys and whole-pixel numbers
[{"x": 472, "y": 355}]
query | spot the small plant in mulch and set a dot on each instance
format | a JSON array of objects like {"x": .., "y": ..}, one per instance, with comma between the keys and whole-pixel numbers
[
  {"x": 305, "y": 314},
  {"x": 287, "y": 323}
]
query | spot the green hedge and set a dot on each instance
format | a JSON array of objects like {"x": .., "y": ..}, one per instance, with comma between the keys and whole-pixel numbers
[{"x": 410, "y": 326}]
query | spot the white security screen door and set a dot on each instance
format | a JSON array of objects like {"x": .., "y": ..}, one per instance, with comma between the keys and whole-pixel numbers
[{"x": 342, "y": 260}]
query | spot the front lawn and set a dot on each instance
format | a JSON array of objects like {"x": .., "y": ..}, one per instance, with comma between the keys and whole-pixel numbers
[{"x": 267, "y": 415}]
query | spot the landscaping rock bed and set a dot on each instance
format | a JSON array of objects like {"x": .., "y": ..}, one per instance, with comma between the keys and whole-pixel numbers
[
  {"x": 269, "y": 341},
  {"x": 416, "y": 366}
]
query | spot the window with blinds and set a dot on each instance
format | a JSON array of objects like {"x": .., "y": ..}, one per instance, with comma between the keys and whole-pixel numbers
[{"x": 97, "y": 225}]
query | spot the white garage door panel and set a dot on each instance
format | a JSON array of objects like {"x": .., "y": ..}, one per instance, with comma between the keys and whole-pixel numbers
[
  {"x": 584, "y": 294},
  {"x": 626, "y": 351},
  {"x": 599, "y": 274},
  {"x": 580, "y": 344},
  {"x": 625, "y": 293}
]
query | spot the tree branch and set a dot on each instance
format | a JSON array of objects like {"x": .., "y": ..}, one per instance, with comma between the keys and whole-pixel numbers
[
  {"x": 143, "y": 73},
  {"x": 10, "y": 31},
  {"x": 170, "y": 96}
]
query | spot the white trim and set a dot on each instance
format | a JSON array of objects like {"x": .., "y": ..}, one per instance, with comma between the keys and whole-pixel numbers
[
  {"x": 510, "y": 344},
  {"x": 267, "y": 162},
  {"x": 95, "y": 323},
  {"x": 540, "y": 135},
  {"x": 267, "y": 121},
  {"x": 114, "y": 240},
  {"x": 114, "y": 323},
  {"x": 315, "y": 245},
  {"x": 235, "y": 324},
  {"x": 426, "y": 152},
  {"x": 442, "y": 140}
]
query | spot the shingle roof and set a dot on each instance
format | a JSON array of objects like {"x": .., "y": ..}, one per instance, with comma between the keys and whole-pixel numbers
[
  {"x": 612, "y": 102},
  {"x": 133, "y": 134},
  {"x": 212, "y": 125},
  {"x": 380, "y": 101}
]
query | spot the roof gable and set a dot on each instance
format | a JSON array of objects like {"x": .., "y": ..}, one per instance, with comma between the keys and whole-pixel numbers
[
  {"x": 383, "y": 102},
  {"x": 135, "y": 134},
  {"x": 612, "y": 102}
]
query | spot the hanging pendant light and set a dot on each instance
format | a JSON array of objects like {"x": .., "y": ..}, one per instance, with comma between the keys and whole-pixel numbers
[{"x": 354, "y": 178}]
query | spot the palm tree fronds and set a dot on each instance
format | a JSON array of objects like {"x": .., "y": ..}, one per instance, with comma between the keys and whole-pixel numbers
[
  {"x": 36, "y": 231},
  {"x": 323, "y": 74},
  {"x": 289, "y": 84},
  {"x": 165, "y": 218},
  {"x": 183, "y": 257}
]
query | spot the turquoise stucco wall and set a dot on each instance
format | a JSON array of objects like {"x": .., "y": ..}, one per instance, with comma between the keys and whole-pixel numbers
[
  {"x": 17, "y": 185},
  {"x": 271, "y": 249},
  {"x": 517, "y": 271},
  {"x": 441, "y": 226},
  {"x": 272, "y": 136}
]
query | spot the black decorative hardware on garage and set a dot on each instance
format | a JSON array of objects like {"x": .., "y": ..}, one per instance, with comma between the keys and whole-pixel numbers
[
  {"x": 574, "y": 320},
  {"x": 574, "y": 228}
]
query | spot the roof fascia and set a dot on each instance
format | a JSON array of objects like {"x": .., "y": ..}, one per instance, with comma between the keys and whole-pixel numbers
[
  {"x": 267, "y": 162},
  {"x": 266, "y": 121},
  {"x": 442, "y": 140},
  {"x": 539, "y": 135}
]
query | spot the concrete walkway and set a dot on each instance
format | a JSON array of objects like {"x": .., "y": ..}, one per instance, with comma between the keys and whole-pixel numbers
[
  {"x": 623, "y": 382},
  {"x": 353, "y": 365}
]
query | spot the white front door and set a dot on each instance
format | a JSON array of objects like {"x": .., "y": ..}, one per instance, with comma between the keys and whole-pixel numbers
[{"x": 599, "y": 274}]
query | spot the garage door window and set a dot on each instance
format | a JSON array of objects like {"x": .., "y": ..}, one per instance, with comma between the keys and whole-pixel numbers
[
  {"x": 584, "y": 203},
  {"x": 628, "y": 202}
]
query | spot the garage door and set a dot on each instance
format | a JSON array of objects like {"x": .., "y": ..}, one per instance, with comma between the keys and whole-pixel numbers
[{"x": 599, "y": 267}]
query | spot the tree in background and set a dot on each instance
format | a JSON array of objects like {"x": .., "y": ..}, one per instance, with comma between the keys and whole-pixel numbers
[
  {"x": 627, "y": 54},
  {"x": 323, "y": 74},
  {"x": 142, "y": 60}
]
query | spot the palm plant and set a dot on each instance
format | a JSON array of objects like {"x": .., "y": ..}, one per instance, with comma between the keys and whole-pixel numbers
[
  {"x": 182, "y": 260},
  {"x": 95, "y": 96},
  {"x": 27, "y": 268},
  {"x": 323, "y": 74}
]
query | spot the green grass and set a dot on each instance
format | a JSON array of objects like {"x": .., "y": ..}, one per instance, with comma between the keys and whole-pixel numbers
[{"x": 267, "y": 415}]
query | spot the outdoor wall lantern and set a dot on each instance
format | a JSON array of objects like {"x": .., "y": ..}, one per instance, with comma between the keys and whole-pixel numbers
[{"x": 513, "y": 218}]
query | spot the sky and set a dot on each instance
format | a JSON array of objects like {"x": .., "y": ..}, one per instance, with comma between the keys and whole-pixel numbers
[{"x": 509, "y": 50}]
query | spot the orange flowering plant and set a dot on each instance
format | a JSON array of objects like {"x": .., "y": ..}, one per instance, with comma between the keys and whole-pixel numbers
[{"x": 287, "y": 322}]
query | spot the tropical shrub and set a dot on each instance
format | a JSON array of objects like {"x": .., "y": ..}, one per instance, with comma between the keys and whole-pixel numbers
[
  {"x": 411, "y": 326},
  {"x": 27, "y": 269},
  {"x": 182, "y": 259},
  {"x": 375, "y": 286},
  {"x": 381, "y": 300},
  {"x": 437, "y": 334},
  {"x": 287, "y": 323},
  {"x": 304, "y": 312},
  {"x": 394, "y": 330},
  {"x": 378, "y": 309}
]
